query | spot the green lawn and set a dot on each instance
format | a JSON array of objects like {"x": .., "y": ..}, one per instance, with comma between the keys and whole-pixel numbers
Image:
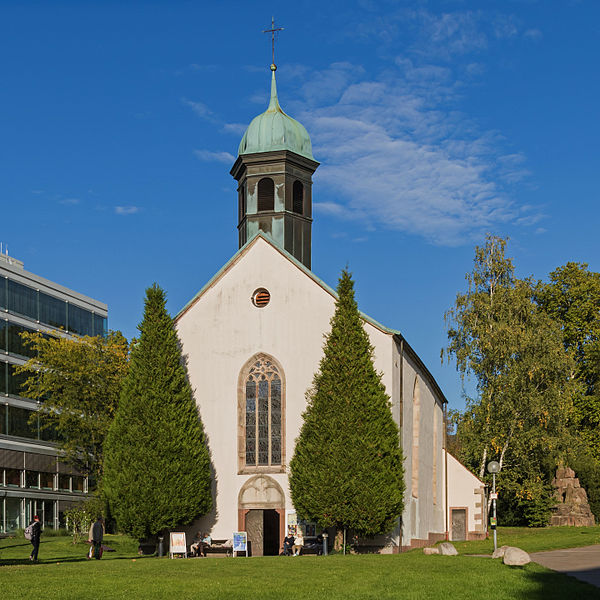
[
  {"x": 63, "y": 572},
  {"x": 535, "y": 539}
]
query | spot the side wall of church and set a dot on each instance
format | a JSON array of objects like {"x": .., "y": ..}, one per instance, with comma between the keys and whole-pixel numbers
[{"x": 422, "y": 441}]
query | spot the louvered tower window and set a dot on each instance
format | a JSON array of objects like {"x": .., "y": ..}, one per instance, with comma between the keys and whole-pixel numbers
[
  {"x": 298, "y": 197},
  {"x": 266, "y": 195}
]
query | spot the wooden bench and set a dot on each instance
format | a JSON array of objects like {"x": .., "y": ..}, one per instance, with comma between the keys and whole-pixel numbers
[{"x": 219, "y": 547}]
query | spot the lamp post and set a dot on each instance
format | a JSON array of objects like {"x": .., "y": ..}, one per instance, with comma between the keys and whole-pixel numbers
[{"x": 493, "y": 468}]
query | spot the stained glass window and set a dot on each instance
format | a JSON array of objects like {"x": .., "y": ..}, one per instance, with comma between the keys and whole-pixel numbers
[{"x": 263, "y": 414}]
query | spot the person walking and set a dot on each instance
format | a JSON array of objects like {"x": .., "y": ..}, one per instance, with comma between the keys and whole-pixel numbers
[
  {"x": 36, "y": 532},
  {"x": 96, "y": 537}
]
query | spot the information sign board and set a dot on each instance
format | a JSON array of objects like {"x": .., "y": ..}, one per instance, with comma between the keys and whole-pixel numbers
[
  {"x": 240, "y": 542},
  {"x": 178, "y": 544}
]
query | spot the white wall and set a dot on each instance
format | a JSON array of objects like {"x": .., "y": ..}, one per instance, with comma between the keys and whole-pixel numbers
[{"x": 465, "y": 491}]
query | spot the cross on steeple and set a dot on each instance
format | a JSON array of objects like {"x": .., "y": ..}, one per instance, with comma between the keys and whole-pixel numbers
[{"x": 273, "y": 31}]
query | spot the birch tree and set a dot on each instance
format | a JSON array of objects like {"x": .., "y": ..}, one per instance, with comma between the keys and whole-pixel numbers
[{"x": 524, "y": 377}]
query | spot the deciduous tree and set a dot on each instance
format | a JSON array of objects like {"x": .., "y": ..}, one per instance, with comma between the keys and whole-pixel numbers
[
  {"x": 77, "y": 381},
  {"x": 524, "y": 375}
]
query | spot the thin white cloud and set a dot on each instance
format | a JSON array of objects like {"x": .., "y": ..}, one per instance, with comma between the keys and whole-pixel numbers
[
  {"x": 199, "y": 108},
  {"x": 235, "y": 128},
  {"x": 126, "y": 210},
  {"x": 533, "y": 34},
  {"x": 394, "y": 153},
  {"x": 208, "y": 155},
  {"x": 69, "y": 201}
]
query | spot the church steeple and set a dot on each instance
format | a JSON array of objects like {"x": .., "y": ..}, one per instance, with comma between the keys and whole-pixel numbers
[{"x": 274, "y": 171}]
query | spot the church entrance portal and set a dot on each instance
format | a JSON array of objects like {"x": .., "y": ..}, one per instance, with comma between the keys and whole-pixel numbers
[
  {"x": 263, "y": 532},
  {"x": 261, "y": 505}
]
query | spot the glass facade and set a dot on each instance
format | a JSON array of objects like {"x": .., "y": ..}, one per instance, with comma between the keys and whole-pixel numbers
[
  {"x": 15, "y": 421},
  {"x": 13, "y": 518},
  {"x": 19, "y": 299},
  {"x": 30, "y": 482}
]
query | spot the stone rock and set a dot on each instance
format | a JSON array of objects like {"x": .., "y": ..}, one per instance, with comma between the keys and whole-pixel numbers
[
  {"x": 431, "y": 550},
  {"x": 516, "y": 557},
  {"x": 572, "y": 506},
  {"x": 447, "y": 549},
  {"x": 499, "y": 553}
]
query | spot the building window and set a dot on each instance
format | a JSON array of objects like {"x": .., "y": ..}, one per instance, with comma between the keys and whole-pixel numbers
[
  {"x": 47, "y": 481},
  {"x": 266, "y": 195},
  {"x": 12, "y": 477},
  {"x": 22, "y": 300},
  {"x": 32, "y": 479},
  {"x": 80, "y": 320},
  {"x": 18, "y": 423},
  {"x": 262, "y": 410},
  {"x": 64, "y": 483},
  {"x": 298, "y": 198},
  {"x": 53, "y": 311}
]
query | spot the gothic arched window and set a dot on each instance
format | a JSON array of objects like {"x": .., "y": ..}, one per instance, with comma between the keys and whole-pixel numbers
[
  {"x": 261, "y": 414},
  {"x": 298, "y": 197},
  {"x": 266, "y": 195}
]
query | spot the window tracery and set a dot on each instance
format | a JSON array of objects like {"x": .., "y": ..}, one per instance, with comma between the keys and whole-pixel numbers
[{"x": 262, "y": 415}]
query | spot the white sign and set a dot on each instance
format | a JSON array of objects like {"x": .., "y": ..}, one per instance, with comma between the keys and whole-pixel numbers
[
  {"x": 494, "y": 496},
  {"x": 178, "y": 544}
]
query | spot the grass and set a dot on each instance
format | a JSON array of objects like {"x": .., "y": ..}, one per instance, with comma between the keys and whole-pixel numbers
[
  {"x": 64, "y": 573},
  {"x": 534, "y": 539}
]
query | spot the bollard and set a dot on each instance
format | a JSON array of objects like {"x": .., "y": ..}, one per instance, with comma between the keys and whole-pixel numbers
[
  {"x": 325, "y": 536},
  {"x": 161, "y": 551}
]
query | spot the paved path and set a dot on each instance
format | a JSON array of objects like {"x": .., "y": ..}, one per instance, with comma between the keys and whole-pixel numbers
[{"x": 583, "y": 563}]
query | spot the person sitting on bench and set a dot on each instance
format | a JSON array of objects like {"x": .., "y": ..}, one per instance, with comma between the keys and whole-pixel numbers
[
  {"x": 288, "y": 542},
  {"x": 298, "y": 543}
]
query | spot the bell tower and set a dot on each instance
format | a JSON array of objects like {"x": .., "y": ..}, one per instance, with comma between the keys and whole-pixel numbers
[{"x": 274, "y": 171}]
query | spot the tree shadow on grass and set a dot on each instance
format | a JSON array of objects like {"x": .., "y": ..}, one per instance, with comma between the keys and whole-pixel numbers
[
  {"x": 64, "y": 559},
  {"x": 551, "y": 585}
]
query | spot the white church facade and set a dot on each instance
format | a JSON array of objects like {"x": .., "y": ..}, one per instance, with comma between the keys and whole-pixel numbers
[{"x": 253, "y": 339}]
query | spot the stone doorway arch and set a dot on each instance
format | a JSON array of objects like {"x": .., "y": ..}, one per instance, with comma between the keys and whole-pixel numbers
[{"x": 261, "y": 513}]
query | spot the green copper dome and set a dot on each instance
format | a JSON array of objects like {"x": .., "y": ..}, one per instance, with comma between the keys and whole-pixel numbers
[{"x": 274, "y": 130}]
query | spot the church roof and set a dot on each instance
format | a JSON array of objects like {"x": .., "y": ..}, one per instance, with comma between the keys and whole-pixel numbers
[
  {"x": 274, "y": 130},
  {"x": 399, "y": 338}
]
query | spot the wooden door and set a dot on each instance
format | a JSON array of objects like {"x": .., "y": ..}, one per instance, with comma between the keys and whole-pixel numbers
[{"x": 255, "y": 530}]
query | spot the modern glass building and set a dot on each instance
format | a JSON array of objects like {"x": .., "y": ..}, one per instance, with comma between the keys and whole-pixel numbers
[{"x": 32, "y": 479}]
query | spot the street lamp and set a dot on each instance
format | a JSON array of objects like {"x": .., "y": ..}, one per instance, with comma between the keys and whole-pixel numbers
[{"x": 493, "y": 468}]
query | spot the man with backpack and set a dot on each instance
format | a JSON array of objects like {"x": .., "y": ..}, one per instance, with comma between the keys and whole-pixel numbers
[{"x": 32, "y": 533}]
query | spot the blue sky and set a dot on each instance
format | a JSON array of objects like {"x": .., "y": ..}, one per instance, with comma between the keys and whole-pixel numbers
[{"x": 434, "y": 123}]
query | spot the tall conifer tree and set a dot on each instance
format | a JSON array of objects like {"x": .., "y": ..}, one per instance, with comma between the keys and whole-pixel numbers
[
  {"x": 347, "y": 467},
  {"x": 157, "y": 465}
]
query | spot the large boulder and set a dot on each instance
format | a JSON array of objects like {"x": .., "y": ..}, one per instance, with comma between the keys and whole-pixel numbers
[
  {"x": 499, "y": 552},
  {"x": 431, "y": 550},
  {"x": 447, "y": 549},
  {"x": 516, "y": 557}
]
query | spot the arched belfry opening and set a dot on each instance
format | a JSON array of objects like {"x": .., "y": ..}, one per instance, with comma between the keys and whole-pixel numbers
[
  {"x": 261, "y": 513},
  {"x": 266, "y": 195},
  {"x": 274, "y": 171}
]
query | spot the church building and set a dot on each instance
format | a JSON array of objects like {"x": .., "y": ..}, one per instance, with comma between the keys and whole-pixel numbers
[{"x": 253, "y": 339}]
